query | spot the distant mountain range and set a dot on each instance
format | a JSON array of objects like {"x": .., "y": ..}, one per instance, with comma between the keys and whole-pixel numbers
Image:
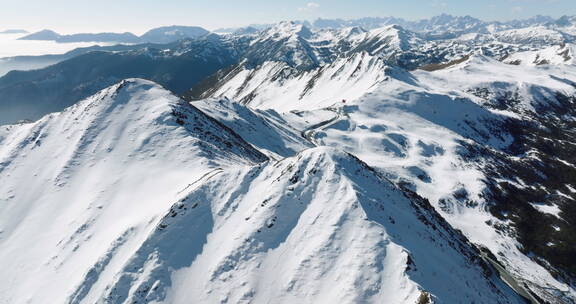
[
  {"x": 13, "y": 31},
  {"x": 177, "y": 66},
  {"x": 441, "y": 26},
  {"x": 290, "y": 47},
  {"x": 438, "y": 27},
  {"x": 165, "y": 34},
  {"x": 48, "y": 35}
]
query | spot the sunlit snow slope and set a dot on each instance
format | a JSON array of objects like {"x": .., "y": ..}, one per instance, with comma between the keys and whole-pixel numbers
[
  {"x": 424, "y": 129},
  {"x": 320, "y": 227},
  {"x": 82, "y": 189},
  {"x": 132, "y": 196},
  {"x": 317, "y": 166}
]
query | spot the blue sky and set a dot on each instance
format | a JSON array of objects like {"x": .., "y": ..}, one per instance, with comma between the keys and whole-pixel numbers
[{"x": 68, "y": 16}]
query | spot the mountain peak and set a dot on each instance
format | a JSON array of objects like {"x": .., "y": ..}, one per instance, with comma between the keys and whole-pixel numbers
[
  {"x": 288, "y": 29},
  {"x": 389, "y": 29},
  {"x": 167, "y": 34},
  {"x": 42, "y": 35},
  {"x": 349, "y": 32},
  {"x": 140, "y": 108},
  {"x": 133, "y": 90}
]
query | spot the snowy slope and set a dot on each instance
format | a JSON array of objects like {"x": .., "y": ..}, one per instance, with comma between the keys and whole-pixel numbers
[
  {"x": 316, "y": 228},
  {"x": 384, "y": 40},
  {"x": 521, "y": 88},
  {"x": 416, "y": 138},
  {"x": 133, "y": 195},
  {"x": 561, "y": 54},
  {"x": 287, "y": 42},
  {"x": 82, "y": 189},
  {"x": 136, "y": 196},
  {"x": 276, "y": 85},
  {"x": 533, "y": 36},
  {"x": 566, "y": 24},
  {"x": 267, "y": 131},
  {"x": 416, "y": 128},
  {"x": 412, "y": 127},
  {"x": 539, "y": 101}
]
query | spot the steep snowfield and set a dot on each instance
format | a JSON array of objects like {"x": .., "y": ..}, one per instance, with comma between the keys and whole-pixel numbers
[
  {"x": 561, "y": 54},
  {"x": 385, "y": 40},
  {"x": 323, "y": 167},
  {"x": 134, "y": 196},
  {"x": 413, "y": 125},
  {"x": 287, "y": 42},
  {"x": 320, "y": 227},
  {"x": 533, "y": 36},
  {"x": 482, "y": 77},
  {"x": 299, "y": 47},
  {"x": 265, "y": 130},
  {"x": 82, "y": 189},
  {"x": 411, "y": 147},
  {"x": 276, "y": 85}
]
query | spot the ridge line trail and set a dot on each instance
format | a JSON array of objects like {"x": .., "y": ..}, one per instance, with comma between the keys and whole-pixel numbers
[
  {"x": 309, "y": 132},
  {"x": 208, "y": 175}
]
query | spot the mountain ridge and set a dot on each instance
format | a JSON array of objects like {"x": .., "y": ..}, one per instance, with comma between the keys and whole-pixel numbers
[
  {"x": 140, "y": 125},
  {"x": 371, "y": 160},
  {"x": 165, "y": 34}
]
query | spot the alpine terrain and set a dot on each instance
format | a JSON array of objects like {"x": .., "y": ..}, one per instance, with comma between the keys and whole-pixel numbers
[{"x": 375, "y": 160}]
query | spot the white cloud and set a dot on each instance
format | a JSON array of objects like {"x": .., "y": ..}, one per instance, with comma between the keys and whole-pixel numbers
[
  {"x": 517, "y": 9},
  {"x": 310, "y": 6},
  {"x": 439, "y": 4}
]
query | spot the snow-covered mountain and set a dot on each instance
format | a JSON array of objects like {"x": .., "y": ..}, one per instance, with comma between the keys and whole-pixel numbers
[
  {"x": 445, "y": 26},
  {"x": 304, "y": 49},
  {"x": 144, "y": 198},
  {"x": 173, "y": 33},
  {"x": 278, "y": 86},
  {"x": 435, "y": 130},
  {"x": 314, "y": 163},
  {"x": 315, "y": 228},
  {"x": 113, "y": 166},
  {"x": 538, "y": 36},
  {"x": 183, "y": 64},
  {"x": 554, "y": 55},
  {"x": 565, "y": 23}
]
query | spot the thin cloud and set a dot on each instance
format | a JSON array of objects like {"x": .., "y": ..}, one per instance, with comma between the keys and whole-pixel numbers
[
  {"x": 310, "y": 6},
  {"x": 439, "y": 4},
  {"x": 517, "y": 10}
]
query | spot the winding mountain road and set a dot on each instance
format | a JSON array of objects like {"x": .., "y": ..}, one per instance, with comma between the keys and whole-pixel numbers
[{"x": 309, "y": 132}]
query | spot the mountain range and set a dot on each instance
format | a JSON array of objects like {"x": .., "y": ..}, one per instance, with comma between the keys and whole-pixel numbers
[
  {"x": 13, "y": 31},
  {"x": 419, "y": 162},
  {"x": 165, "y": 34},
  {"x": 440, "y": 27}
]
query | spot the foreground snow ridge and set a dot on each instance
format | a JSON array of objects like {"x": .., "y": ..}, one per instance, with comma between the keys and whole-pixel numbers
[
  {"x": 138, "y": 197},
  {"x": 323, "y": 227}
]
